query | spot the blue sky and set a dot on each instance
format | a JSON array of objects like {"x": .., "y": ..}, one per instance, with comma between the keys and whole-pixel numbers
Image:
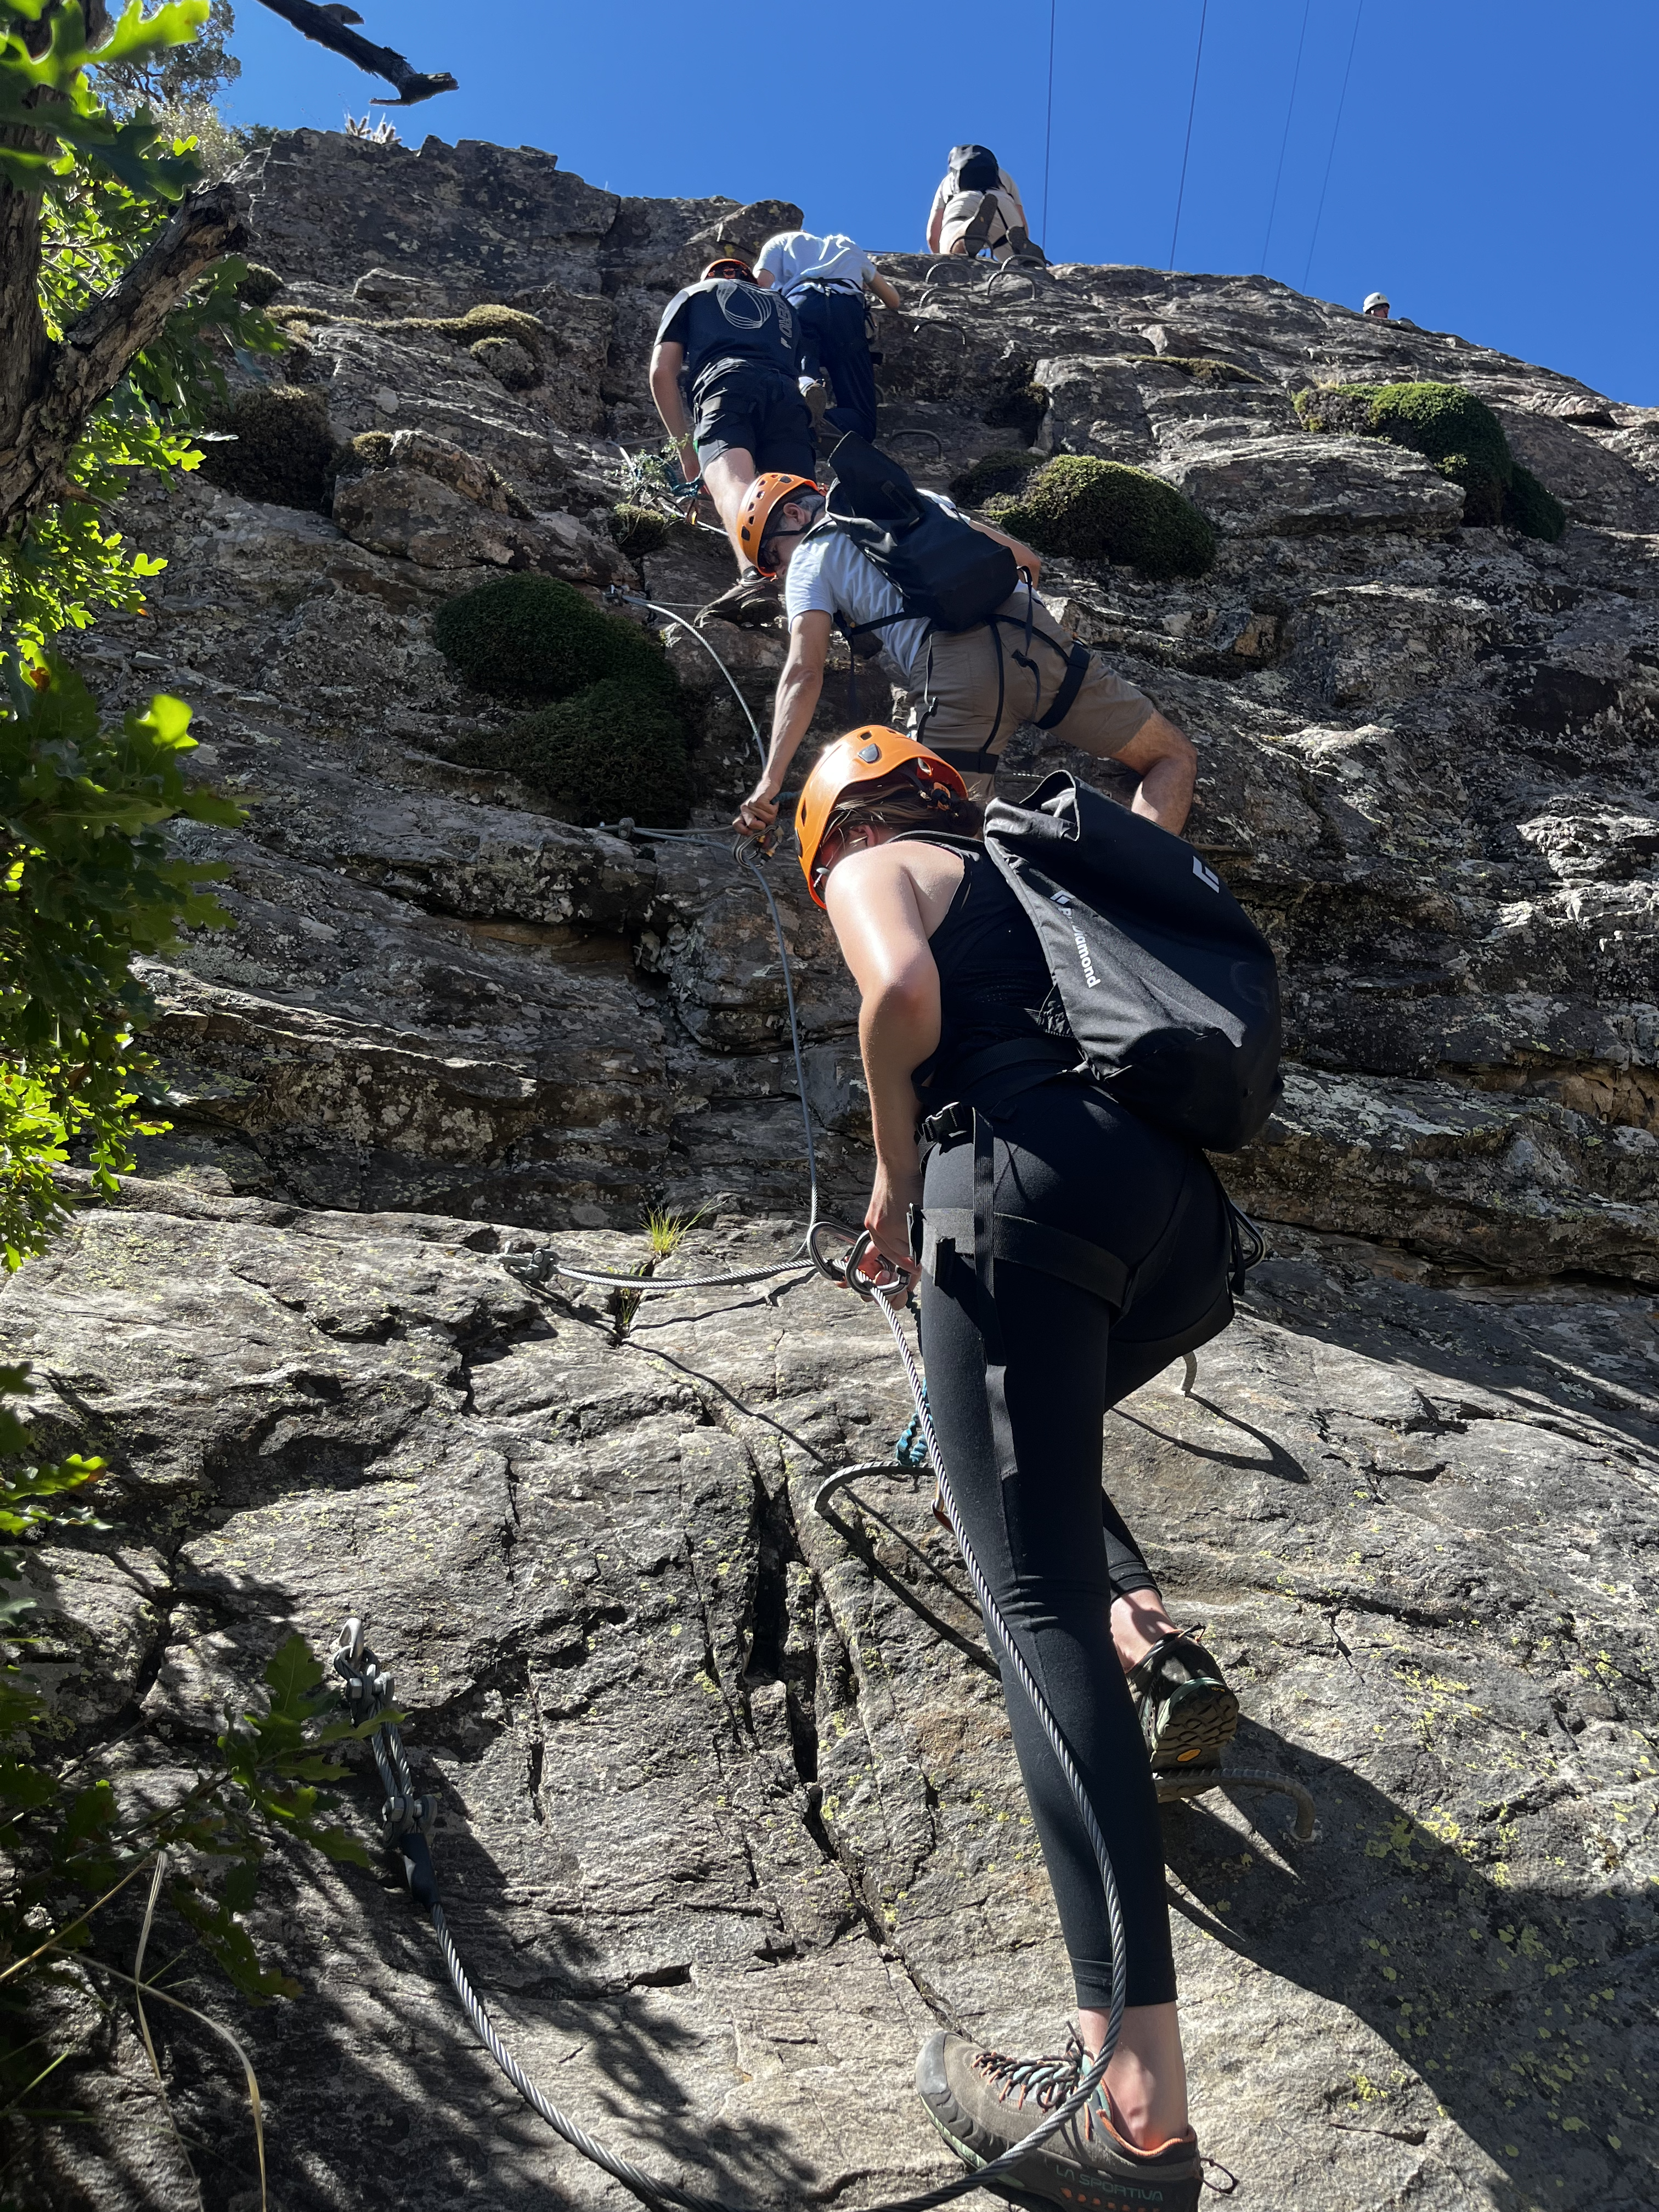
[{"x": 1494, "y": 171}]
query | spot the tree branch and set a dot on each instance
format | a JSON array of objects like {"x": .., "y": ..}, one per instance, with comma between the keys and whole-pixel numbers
[
  {"x": 325, "y": 27},
  {"x": 93, "y": 357}
]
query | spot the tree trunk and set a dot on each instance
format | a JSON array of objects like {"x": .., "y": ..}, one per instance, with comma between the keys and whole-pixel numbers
[{"x": 46, "y": 391}]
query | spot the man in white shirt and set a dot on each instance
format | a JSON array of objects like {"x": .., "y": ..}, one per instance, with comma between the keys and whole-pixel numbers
[
  {"x": 977, "y": 208},
  {"x": 968, "y": 689},
  {"x": 824, "y": 281}
]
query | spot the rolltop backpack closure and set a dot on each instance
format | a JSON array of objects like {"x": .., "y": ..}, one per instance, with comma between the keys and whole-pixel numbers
[{"x": 1170, "y": 989}]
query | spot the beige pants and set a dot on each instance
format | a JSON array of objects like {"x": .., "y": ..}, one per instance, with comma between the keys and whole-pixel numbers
[{"x": 1102, "y": 718}]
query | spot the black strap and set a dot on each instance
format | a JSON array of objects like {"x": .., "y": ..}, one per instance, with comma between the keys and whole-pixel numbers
[
  {"x": 1077, "y": 667},
  {"x": 1032, "y": 1244}
]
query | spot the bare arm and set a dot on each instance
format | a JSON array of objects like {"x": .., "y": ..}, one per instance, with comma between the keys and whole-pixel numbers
[
  {"x": 935, "y": 225},
  {"x": 1163, "y": 758},
  {"x": 886, "y": 293},
  {"x": 763, "y": 278},
  {"x": 667, "y": 360},
  {"x": 796, "y": 701},
  {"x": 1023, "y": 556},
  {"x": 879, "y": 925}
]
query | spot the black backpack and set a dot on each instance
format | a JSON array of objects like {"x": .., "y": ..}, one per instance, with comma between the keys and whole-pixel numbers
[
  {"x": 1168, "y": 989},
  {"x": 974, "y": 169},
  {"x": 948, "y": 574}
]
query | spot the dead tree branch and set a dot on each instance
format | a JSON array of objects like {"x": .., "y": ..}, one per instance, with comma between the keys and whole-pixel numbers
[
  {"x": 65, "y": 382},
  {"x": 324, "y": 25}
]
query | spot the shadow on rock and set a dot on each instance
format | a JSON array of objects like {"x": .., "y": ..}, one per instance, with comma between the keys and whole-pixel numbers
[{"x": 1517, "y": 2009}]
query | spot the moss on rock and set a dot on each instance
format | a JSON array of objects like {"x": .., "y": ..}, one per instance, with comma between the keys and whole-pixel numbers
[
  {"x": 992, "y": 474},
  {"x": 1532, "y": 511},
  {"x": 284, "y": 451},
  {"x": 509, "y": 362},
  {"x": 258, "y": 286},
  {"x": 638, "y": 530},
  {"x": 1450, "y": 428},
  {"x": 1092, "y": 510},
  {"x": 534, "y": 637},
  {"x": 1204, "y": 370},
  {"x": 610, "y": 751},
  {"x": 369, "y": 449}
]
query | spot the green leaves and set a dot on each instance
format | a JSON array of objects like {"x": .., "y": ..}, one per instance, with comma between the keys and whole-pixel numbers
[
  {"x": 276, "y": 1756},
  {"x": 46, "y": 93},
  {"x": 87, "y": 881}
]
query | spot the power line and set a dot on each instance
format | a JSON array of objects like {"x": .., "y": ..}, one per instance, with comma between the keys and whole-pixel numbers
[
  {"x": 1296, "y": 78},
  {"x": 1049, "y": 134},
  {"x": 1335, "y": 129},
  {"x": 1198, "y": 62}
]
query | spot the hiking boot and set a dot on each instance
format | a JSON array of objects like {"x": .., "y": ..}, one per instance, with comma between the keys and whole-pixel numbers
[
  {"x": 983, "y": 2104},
  {"x": 753, "y": 600},
  {"x": 1187, "y": 1711}
]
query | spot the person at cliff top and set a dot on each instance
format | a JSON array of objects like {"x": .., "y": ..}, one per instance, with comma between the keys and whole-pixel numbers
[
  {"x": 968, "y": 689},
  {"x": 1021, "y": 1368},
  {"x": 977, "y": 210},
  {"x": 824, "y": 281},
  {"x": 735, "y": 345},
  {"x": 1377, "y": 306}
]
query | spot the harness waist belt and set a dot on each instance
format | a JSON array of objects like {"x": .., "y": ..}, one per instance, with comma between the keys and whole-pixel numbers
[
  {"x": 1028, "y": 1244},
  {"x": 1021, "y": 1064}
]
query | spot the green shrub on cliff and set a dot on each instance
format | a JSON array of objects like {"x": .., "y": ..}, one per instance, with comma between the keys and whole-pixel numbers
[
  {"x": 533, "y": 637},
  {"x": 1092, "y": 510},
  {"x": 1532, "y": 511},
  {"x": 1450, "y": 428},
  {"x": 283, "y": 450},
  {"x": 611, "y": 750}
]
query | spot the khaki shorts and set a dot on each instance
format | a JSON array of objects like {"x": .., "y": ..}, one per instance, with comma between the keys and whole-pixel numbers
[{"x": 1106, "y": 714}]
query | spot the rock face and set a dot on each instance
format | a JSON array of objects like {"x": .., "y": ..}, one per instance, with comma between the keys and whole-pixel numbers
[{"x": 727, "y": 1826}]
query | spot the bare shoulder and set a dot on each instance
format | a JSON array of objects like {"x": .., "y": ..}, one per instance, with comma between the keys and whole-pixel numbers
[{"x": 904, "y": 872}]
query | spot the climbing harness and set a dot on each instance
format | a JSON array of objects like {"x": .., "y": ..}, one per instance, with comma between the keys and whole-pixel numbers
[{"x": 407, "y": 1816}]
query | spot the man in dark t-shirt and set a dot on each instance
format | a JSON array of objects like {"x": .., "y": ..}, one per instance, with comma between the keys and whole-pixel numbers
[{"x": 737, "y": 347}]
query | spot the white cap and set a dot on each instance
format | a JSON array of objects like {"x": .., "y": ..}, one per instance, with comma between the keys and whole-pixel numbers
[{"x": 1375, "y": 300}]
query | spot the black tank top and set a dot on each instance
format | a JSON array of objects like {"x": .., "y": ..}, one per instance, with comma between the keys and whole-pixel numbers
[{"x": 993, "y": 979}]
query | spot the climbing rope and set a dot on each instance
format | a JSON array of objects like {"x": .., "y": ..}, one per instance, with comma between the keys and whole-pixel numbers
[
  {"x": 1192, "y": 110},
  {"x": 1336, "y": 131},
  {"x": 1290, "y": 109}
]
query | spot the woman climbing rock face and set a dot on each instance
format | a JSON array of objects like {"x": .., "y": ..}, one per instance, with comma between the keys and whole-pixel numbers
[{"x": 1022, "y": 1364}]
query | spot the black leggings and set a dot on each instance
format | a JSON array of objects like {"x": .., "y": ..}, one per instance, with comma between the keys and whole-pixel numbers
[{"x": 1066, "y": 1155}]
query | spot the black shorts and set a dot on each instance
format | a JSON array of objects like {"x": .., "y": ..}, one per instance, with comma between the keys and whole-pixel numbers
[{"x": 761, "y": 412}]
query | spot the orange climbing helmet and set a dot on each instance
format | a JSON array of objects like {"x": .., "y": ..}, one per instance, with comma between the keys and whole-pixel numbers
[
  {"x": 838, "y": 785},
  {"x": 729, "y": 265},
  {"x": 758, "y": 502}
]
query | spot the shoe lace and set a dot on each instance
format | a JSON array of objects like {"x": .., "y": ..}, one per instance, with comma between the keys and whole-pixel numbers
[{"x": 1044, "y": 2081}]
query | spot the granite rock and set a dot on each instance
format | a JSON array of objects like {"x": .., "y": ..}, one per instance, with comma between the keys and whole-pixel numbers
[{"x": 727, "y": 1824}]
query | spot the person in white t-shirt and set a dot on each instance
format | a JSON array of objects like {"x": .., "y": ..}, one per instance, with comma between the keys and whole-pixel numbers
[
  {"x": 977, "y": 210},
  {"x": 825, "y": 280},
  {"x": 969, "y": 690}
]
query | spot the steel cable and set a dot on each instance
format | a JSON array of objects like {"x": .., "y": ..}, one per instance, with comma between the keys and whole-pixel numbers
[{"x": 394, "y": 1769}]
